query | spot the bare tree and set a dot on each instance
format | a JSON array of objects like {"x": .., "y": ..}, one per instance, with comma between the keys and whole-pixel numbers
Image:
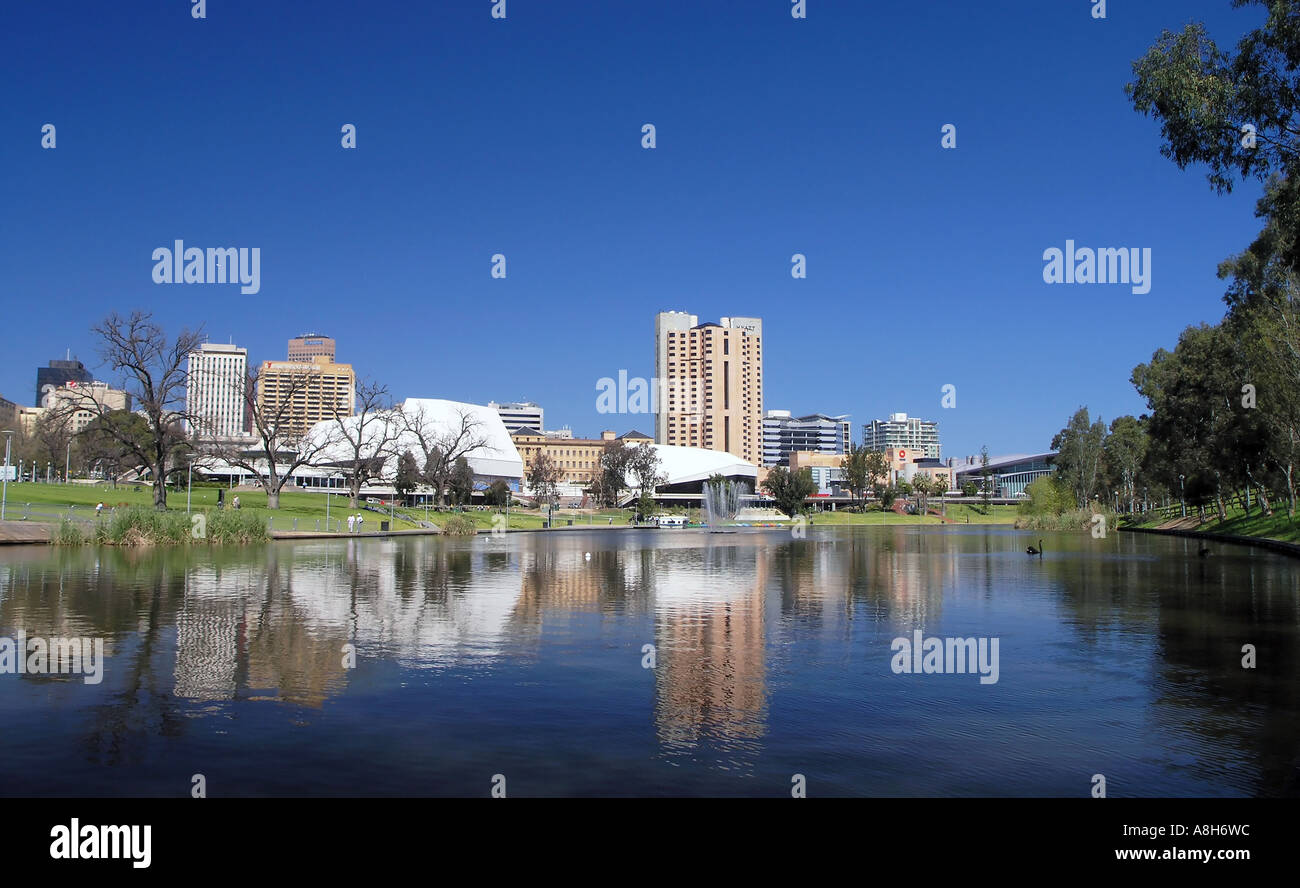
[
  {"x": 367, "y": 438},
  {"x": 280, "y": 443},
  {"x": 543, "y": 475},
  {"x": 441, "y": 444},
  {"x": 153, "y": 368}
]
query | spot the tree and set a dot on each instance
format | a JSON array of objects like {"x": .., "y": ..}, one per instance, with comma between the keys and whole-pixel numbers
[
  {"x": 644, "y": 465},
  {"x": 543, "y": 476},
  {"x": 887, "y": 493},
  {"x": 790, "y": 489},
  {"x": 497, "y": 493},
  {"x": 1080, "y": 458},
  {"x": 365, "y": 439},
  {"x": 280, "y": 444},
  {"x": 1194, "y": 423},
  {"x": 924, "y": 486},
  {"x": 856, "y": 470},
  {"x": 1204, "y": 97},
  {"x": 986, "y": 480},
  {"x": 877, "y": 469},
  {"x": 154, "y": 371},
  {"x": 1126, "y": 450},
  {"x": 613, "y": 469},
  {"x": 53, "y": 433},
  {"x": 460, "y": 483},
  {"x": 102, "y": 446},
  {"x": 408, "y": 474},
  {"x": 442, "y": 443}
]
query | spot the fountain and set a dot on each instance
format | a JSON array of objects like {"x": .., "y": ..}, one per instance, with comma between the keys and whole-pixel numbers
[{"x": 720, "y": 501}]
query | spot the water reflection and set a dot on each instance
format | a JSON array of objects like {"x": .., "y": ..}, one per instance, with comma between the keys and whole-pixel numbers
[{"x": 771, "y": 658}]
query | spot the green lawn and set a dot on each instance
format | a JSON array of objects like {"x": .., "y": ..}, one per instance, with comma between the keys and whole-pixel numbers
[
  {"x": 308, "y": 508},
  {"x": 958, "y": 513},
  {"x": 1278, "y": 526}
]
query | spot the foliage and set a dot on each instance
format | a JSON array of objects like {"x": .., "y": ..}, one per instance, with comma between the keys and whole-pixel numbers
[
  {"x": 790, "y": 489},
  {"x": 459, "y": 525}
]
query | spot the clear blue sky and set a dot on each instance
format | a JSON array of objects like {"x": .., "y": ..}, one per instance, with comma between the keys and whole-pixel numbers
[{"x": 478, "y": 136}]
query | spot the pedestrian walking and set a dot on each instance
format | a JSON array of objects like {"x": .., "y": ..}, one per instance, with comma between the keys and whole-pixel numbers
[{"x": 99, "y": 509}]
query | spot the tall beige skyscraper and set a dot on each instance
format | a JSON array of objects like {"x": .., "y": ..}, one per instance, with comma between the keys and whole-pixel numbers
[
  {"x": 313, "y": 391},
  {"x": 710, "y": 384},
  {"x": 311, "y": 345}
]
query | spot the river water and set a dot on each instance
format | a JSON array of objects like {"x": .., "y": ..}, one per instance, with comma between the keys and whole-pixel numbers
[{"x": 673, "y": 662}]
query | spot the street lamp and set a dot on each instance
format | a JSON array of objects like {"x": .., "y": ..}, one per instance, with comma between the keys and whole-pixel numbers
[
  {"x": 4, "y": 495},
  {"x": 49, "y": 471},
  {"x": 1181, "y": 496}
]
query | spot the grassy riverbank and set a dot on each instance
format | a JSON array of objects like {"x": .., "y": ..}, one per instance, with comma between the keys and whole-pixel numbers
[
  {"x": 1278, "y": 526},
  {"x": 55, "y": 504}
]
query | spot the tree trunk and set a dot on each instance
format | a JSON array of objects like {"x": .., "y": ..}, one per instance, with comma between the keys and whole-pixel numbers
[
  {"x": 159, "y": 488},
  {"x": 273, "y": 498}
]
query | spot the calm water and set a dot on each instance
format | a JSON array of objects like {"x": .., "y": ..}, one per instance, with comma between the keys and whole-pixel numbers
[{"x": 522, "y": 657}]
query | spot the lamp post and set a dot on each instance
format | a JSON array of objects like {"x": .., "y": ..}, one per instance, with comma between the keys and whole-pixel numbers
[
  {"x": 1182, "y": 496},
  {"x": 4, "y": 495},
  {"x": 49, "y": 471},
  {"x": 67, "y": 463}
]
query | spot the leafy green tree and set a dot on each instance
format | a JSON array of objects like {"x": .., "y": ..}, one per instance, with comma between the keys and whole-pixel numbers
[
  {"x": 877, "y": 470},
  {"x": 790, "y": 489},
  {"x": 497, "y": 493},
  {"x": 1193, "y": 393},
  {"x": 102, "y": 447},
  {"x": 986, "y": 480},
  {"x": 1126, "y": 451},
  {"x": 1048, "y": 496},
  {"x": 460, "y": 483},
  {"x": 887, "y": 494},
  {"x": 408, "y": 474},
  {"x": 613, "y": 470},
  {"x": 1080, "y": 458},
  {"x": 1204, "y": 97},
  {"x": 857, "y": 472}
]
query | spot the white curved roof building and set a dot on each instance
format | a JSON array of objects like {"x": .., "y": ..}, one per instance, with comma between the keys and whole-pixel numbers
[
  {"x": 687, "y": 465},
  {"x": 438, "y": 418}
]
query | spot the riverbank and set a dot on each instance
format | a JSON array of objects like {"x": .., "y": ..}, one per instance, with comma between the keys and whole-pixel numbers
[{"x": 1278, "y": 532}]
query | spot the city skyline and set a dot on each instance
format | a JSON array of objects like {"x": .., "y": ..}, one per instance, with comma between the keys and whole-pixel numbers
[{"x": 897, "y": 232}]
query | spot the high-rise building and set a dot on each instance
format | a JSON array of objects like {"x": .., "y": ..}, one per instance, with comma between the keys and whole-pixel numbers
[
  {"x": 216, "y": 384},
  {"x": 784, "y": 434},
  {"x": 304, "y": 393},
  {"x": 311, "y": 345},
  {"x": 917, "y": 436},
  {"x": 59, "y": 373},
  {"x": 709, "y": 390},
  {"x": 82, "y": 402},
  {"x": 523, "y": 415}
]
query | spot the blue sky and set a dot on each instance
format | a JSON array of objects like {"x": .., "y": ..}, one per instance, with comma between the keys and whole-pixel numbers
[{"x": 523, "y": 137}]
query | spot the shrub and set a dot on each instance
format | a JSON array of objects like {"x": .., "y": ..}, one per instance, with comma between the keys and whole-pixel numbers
[
  {"x": 460, "y": 525},
  {"x": 236, "y": 526},
  {"x": 69, "y": 534}
]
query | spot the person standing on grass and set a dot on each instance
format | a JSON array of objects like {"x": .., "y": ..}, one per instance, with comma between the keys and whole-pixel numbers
[
  {"x": 352, "y": 522},
  {"x": 360, "y": 520}
]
